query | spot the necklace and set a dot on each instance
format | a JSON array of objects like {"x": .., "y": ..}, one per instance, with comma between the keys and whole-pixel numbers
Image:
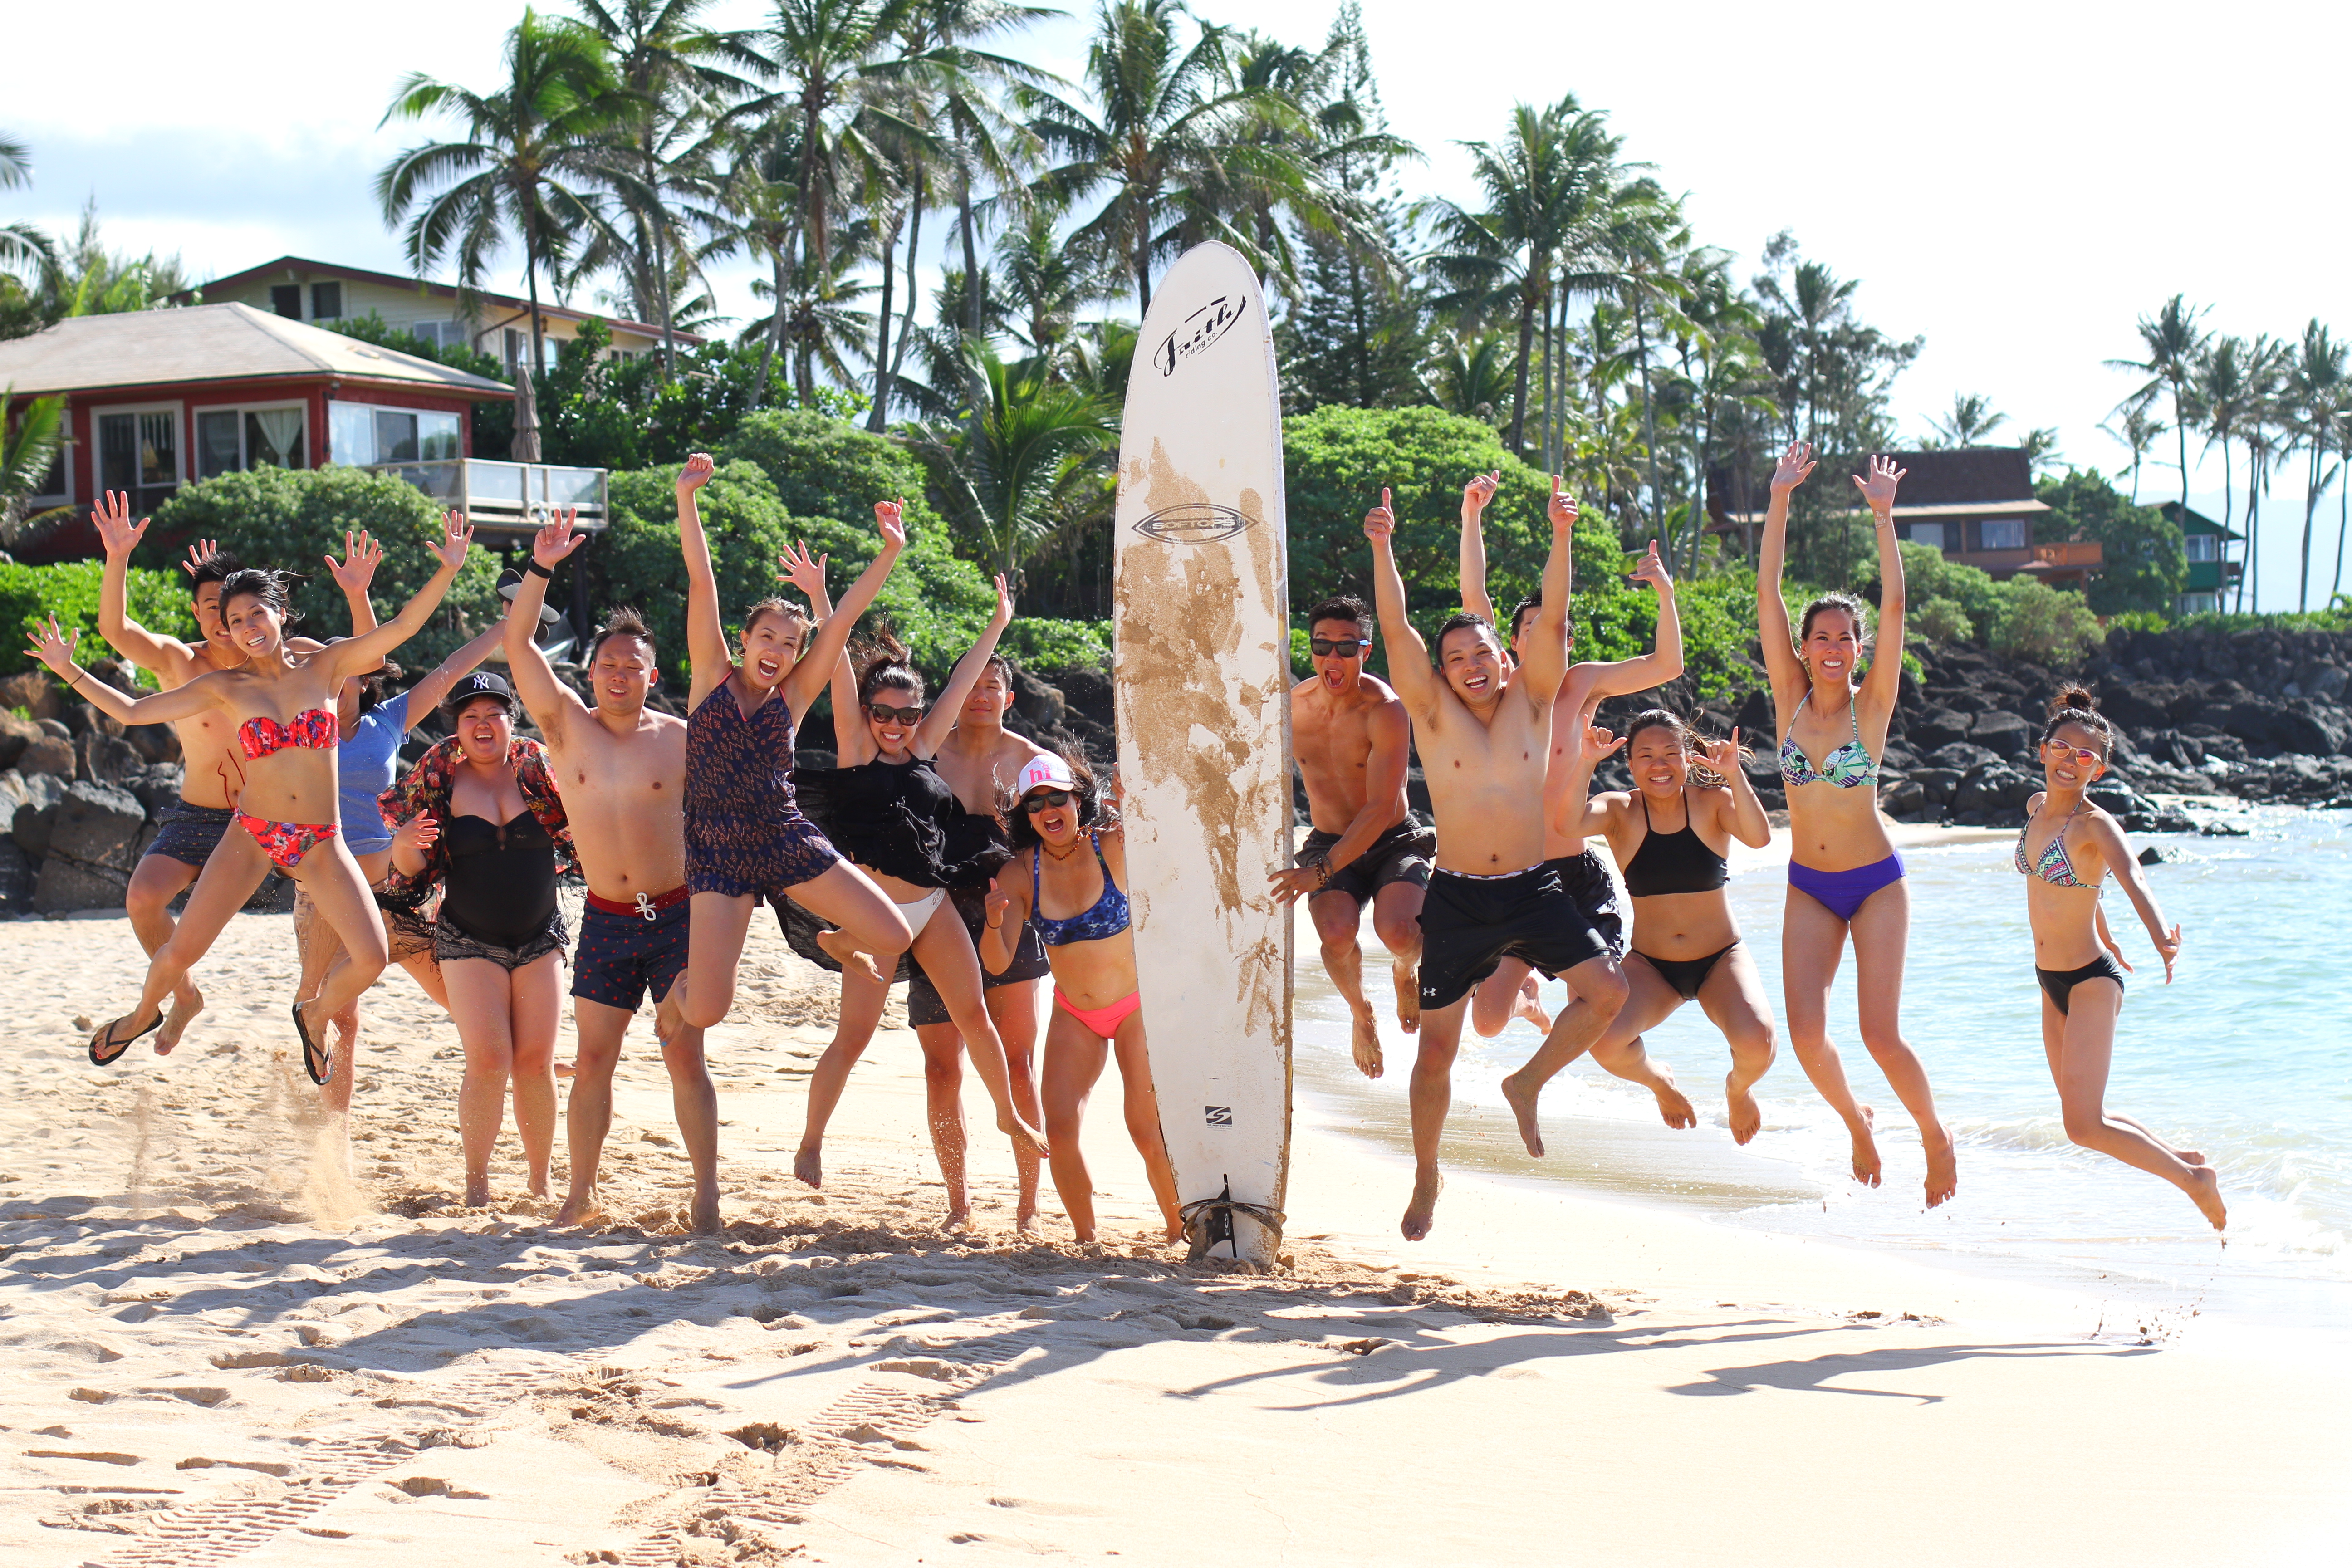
[{"x": 1049, "y": 850}]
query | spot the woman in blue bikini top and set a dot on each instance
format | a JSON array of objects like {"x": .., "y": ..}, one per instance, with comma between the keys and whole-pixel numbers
[{"x": 1844, "y": 876}]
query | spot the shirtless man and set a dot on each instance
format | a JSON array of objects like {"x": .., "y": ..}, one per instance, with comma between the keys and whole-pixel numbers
[
  {"x": 1510, "y": 991},
  {"x": 1484, "y": 728},
  {"x": 621, "y": 767},
  {"x": 1351, "y": 738},
  {"x": 980, "y": 760},
  {"x": 211, "y": 768}
]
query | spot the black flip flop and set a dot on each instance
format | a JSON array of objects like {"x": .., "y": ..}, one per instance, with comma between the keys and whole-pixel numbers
[
  {"x": 106, "y": 1036},
  {"x": 316, "y": 1060}
]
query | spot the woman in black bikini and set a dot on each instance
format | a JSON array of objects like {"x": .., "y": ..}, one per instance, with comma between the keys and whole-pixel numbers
[
  {"x": 480, "y": 818},
  {"x": 1672, "y": 834},
  {"x": 888, "y": 810},
  {"x": 2064, "y": 850},
  {"x": 746, "y": 840}
]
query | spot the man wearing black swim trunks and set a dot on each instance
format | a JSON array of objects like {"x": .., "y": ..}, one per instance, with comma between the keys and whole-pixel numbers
[
  {"x": 1484, "y": 729},
  {"x": 1351, "y": 738},
  {"x": 621, "y": 768}
]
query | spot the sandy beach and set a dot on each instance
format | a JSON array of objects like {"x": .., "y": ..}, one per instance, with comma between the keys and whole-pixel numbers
[{"x": 224, "y": 1351}]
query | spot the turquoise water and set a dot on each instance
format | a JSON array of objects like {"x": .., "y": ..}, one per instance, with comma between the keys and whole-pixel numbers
[{"x": 2247, "y": 1055}]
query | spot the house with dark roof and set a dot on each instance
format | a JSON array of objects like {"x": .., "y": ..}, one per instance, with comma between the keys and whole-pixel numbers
[
  {"x": 1976, "y": 504},
  {"x": 324, "y": 292},
  {"x": 2214, "y": 552}
]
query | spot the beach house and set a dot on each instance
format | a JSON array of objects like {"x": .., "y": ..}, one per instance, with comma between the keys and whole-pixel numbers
[{"x": 2214, "y": 565}]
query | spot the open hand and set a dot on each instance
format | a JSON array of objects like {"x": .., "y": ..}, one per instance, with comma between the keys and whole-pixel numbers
[
  {"x": 890, "y": 517},
  {"x": 1004, "y": 617},
  {"x": 54, "y": 646},
  {"x": 2168, "y": 947},
  {"x": 456, "y": 538},
  {"x": 1480, "y": 490},
  {"x": 418, "y": 833},
  {"x": 695, "y": 474},
  {"x": 1652, "y": 569},
  {"x": 116, "y": 533},
  {"x": 804, "y": 571},
  {"x": 555, "y": 541},
  {"x": 356, "y": 570},
  {"x": 1877, "y": 487},
  {"x": 1380, "y": 523},
  {"x": 1295, "y": 882},
  {"x": 1795, "y": 466},
  {"x": 200, "y": 554},
  {"x": 2115, "y": 949},
  {"x": 1563, "y": 507}
]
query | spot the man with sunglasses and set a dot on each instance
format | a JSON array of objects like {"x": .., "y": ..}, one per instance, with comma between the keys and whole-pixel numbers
[{"x": 1351, "y": 738}]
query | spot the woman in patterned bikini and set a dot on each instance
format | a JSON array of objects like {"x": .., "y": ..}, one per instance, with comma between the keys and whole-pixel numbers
[
  {"x": 1844, "y": 877},
  {"x": 746, "y": 840},
  {"x": 284, "y": 702},
  {"x": 1057, "y": 817},
  {"x": 2075, "y": 956}
]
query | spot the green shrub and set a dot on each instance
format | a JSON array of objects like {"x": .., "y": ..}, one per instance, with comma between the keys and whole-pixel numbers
[
  {"x": 2139, "y": 621},
  {"x": 1928, "y": 575},
  {"x": 2040, "y": 623},
  {"x": 1051, "y": 646},
  {"x": 2144, "y": 564},
  {"x": 1939, "y": 619},
  {"x": 293, "y": 517},
  {"x": 69, "y": 591}
]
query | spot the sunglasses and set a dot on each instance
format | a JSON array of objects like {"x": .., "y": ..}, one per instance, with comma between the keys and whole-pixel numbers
[
  {"x": 887, "y": 714},
  {"x": 2060, "y": 750},
  {"x": 1045, "y": 800},
  {"x": 1346, "y": 648}
]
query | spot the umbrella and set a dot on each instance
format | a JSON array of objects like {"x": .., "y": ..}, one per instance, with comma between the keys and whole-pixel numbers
[{"x": 524, "y": 447}]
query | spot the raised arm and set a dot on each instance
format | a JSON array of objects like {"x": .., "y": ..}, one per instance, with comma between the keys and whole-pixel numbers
[
  {"x": 814, "y": 665},
  {"x": 1543, "y": 652},
  {"x": 352, "y": 574},
  {"x": 933, "y": 731},
  {"x": 1384, "y": 773},
  {"x": 1409, "y": 670},
  {"x": 1663, "y": 662},
  {"x": 852, "y": 742},
  {"x": 550, "y": 702},
  {"x": 434, "y": 684},
  {"x": 1574, "y": 812},
  {"x": 1781, "y": 661},
  {"x": 2118, "y": 856},
  {"x": 134, "y": 642},
  {"x": 706, "y": 639},
  {"x": 54, "y": 647},
  {"x": 1474, "y": 497},
  {"x": 353, "y": 656},
  {"x": 1743, "y": 816},
  {"x": 1883, "y": 684}
]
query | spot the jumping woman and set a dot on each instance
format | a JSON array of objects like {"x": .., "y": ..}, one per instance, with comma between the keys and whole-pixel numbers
[
  {"x": 2065, "y": 850},
  {"x": 283, "y": 702},
  {"x": 1672, "y": 833},
  {"x": 1844, "y": 877},
  {"x": 1057, "y": 819},
  {"x": 746, "y": 839},
  {"x": 899, "y": 823}
]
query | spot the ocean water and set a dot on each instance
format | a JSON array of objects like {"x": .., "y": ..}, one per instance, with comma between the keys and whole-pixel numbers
[{"x": 2247, "y": 1056}]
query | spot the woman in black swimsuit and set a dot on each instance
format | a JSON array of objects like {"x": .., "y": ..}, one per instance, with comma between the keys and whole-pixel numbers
[
  {"x": 1672, "y": 834},
  {"x": 888, "y": 810},
  {"x": 481, "y": 818}
]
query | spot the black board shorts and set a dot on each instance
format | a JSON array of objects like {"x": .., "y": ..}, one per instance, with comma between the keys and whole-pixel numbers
[
  {"x": 1470, "y": 924},
  {"x": 189, "y": 834},
  {"x": 1587, "y": 881},
  {"x": 924, "y": 1005},
  {"x": 1403, "y": 854}
]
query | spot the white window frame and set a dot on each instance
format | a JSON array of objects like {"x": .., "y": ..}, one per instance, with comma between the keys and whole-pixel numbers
[
  {"x": 338, "y": 459},
  {"x": 182, "y": 427},
  {"x": 2201, "y": 548},
  {"x": 2023, "y": 534},
  {"x": 245, "y": 458}
]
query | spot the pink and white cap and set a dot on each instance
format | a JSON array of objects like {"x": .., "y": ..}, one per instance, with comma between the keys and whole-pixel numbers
[{"x": 1046, "y": 772}]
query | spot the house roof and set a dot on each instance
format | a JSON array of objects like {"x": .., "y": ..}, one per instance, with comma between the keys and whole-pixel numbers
[
  {"x": 214, "y": 342},
  {"x": 2188, "y": 519},
  {"x": 1972, "y": 481},
  {"x": 276, "y": 271}
]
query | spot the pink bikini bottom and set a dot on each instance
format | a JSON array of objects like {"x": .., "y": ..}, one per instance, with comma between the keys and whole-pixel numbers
[{"x": 1103, "y": 1021}]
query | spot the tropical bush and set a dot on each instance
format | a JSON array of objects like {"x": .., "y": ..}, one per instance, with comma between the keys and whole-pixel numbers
[
  {"x": 69, "y": 591},
  {"x": 1051, "y": 646},
  {"x": 2043, "y": 624},
  {"x": 2144, "y": 564},
  {"x": 1939, "y": 619},
  {"x": 294, "y": 518}
]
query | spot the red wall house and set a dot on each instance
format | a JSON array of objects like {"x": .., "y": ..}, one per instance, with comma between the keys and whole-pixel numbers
[{"x": 156, "y": 399}]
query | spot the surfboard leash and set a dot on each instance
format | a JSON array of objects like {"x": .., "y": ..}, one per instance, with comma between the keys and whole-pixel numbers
[{"x": 1208, "y": 1221}]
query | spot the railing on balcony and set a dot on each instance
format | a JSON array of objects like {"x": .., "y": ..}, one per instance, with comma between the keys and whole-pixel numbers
[
  {"x": 2071, "y": 553},
  {"x": 508, "y": 496}
]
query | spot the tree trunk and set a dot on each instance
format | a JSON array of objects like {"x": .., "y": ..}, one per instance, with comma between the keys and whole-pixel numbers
[
  {"x": 773, "y": 340},
  {"x": 975, "y": 314},
  {"x": 914, "y": 246},
  {"x": 878, "y": 418},
  {"x": 2310, "y": 506},
  {"x": 1528, "y": 291},
  {"x": 2254, "y": 523},
  {"x": 531, "y": 286},
  {"x": 1649, "y": 412},
  {"x": 2343, "y": 516}
]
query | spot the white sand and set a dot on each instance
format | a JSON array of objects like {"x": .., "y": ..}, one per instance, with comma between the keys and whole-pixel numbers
[{"x": 220, "y": 1354}]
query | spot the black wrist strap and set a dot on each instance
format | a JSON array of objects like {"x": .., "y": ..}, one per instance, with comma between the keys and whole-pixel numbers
[{"x": 536, "y": 570}]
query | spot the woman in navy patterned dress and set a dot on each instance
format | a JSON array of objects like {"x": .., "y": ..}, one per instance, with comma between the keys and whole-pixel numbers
[{"x": 746, "y": 840}]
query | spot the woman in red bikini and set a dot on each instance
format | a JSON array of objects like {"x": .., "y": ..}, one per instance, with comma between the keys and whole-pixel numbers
[
  {"x": 1095, "y": 1003},
  {"x": 283, "y": 701}
]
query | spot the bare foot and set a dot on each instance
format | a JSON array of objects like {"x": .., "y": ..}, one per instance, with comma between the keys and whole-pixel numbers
[
  {"x": 1673, "y": 1104},
  {"x": 852, "y": 959},
  {"x": 1421, "y": 1212},
  {"x": 1528, "y": 1004},
  {"x": 703, "y": 1217},
  {"x": 1866, "y": 1148},
  {"x": 1366, "y": 1044},
  {"x": 1943, "y": 1167},
  {"x": 669, "y": 1012},
  {"x": 2204, "y": 1190},
  {"x": 1407, "y": 977},
  {"x": 477, "y": 1193},
  {"x": 1174, "y": 1230},
  {"x": 580, "y": 1208},
  {"x": 958, "y": 1217},
  {"x": 2191, "y": 1156},
  {"x": 1024, "y": 1136},
  {"x": 566, "y": 1070},
  {"x": 1026, "y": 1220},
  {"x": 186, "y": 1003},
  {"x": 1523, "y": 1106},
  {"x": 1747, "y": 1115},
  {"x": 539, "y": 1188},
  {"x": 809, "y": 1166}
]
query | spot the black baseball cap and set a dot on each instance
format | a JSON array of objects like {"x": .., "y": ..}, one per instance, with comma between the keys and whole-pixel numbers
[
  {"x": 481, "y": 683},
  {"x": 510, "y": 583}
]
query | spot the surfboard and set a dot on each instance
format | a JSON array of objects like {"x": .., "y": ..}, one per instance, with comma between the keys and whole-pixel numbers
[{"x": 1202, "y": 677}]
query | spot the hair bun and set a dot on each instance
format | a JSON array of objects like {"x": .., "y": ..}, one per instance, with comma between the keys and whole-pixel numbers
[{"x": 2075, "y": 699}]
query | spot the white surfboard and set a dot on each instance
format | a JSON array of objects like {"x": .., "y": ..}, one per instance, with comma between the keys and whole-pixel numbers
[{"x": 1204, "y": 680}]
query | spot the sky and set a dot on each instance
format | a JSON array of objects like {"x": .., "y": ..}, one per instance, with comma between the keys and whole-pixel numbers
[{"x": 2016, "y": 183}]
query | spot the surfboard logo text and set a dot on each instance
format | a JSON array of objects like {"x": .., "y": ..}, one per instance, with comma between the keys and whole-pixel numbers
[
  {"x": 1220, "y": 1115},
  {"x": 1193, "y": 523},
  {"x": 1198, "y": 331}
]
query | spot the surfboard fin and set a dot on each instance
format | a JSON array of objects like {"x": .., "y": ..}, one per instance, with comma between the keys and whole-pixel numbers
[{"x": 1208, "y": 1221}]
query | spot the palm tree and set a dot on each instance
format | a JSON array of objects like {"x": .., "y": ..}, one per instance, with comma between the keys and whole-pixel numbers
[
  {"x": 1176, "y": 147},
  {"x": 2138, "y": 435},
  {"x": 21, "y": 244},
  {"x": 28, "y": 445},
  {"x": 2316, "y": 389},
  {"x": 1045, "y": 282},
  {"x": 819, "y": 311},
  {"x": 1473, "y": 375},
  {"x": 1018, "y": 473},
  {"x": 2262, "y": 429},
  {"x": 2217, "y": 397},
  {"x": 2173, "y": 343},
  {"x": 1971, "y": 419},
  {"x": 539, "y": 152}
]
